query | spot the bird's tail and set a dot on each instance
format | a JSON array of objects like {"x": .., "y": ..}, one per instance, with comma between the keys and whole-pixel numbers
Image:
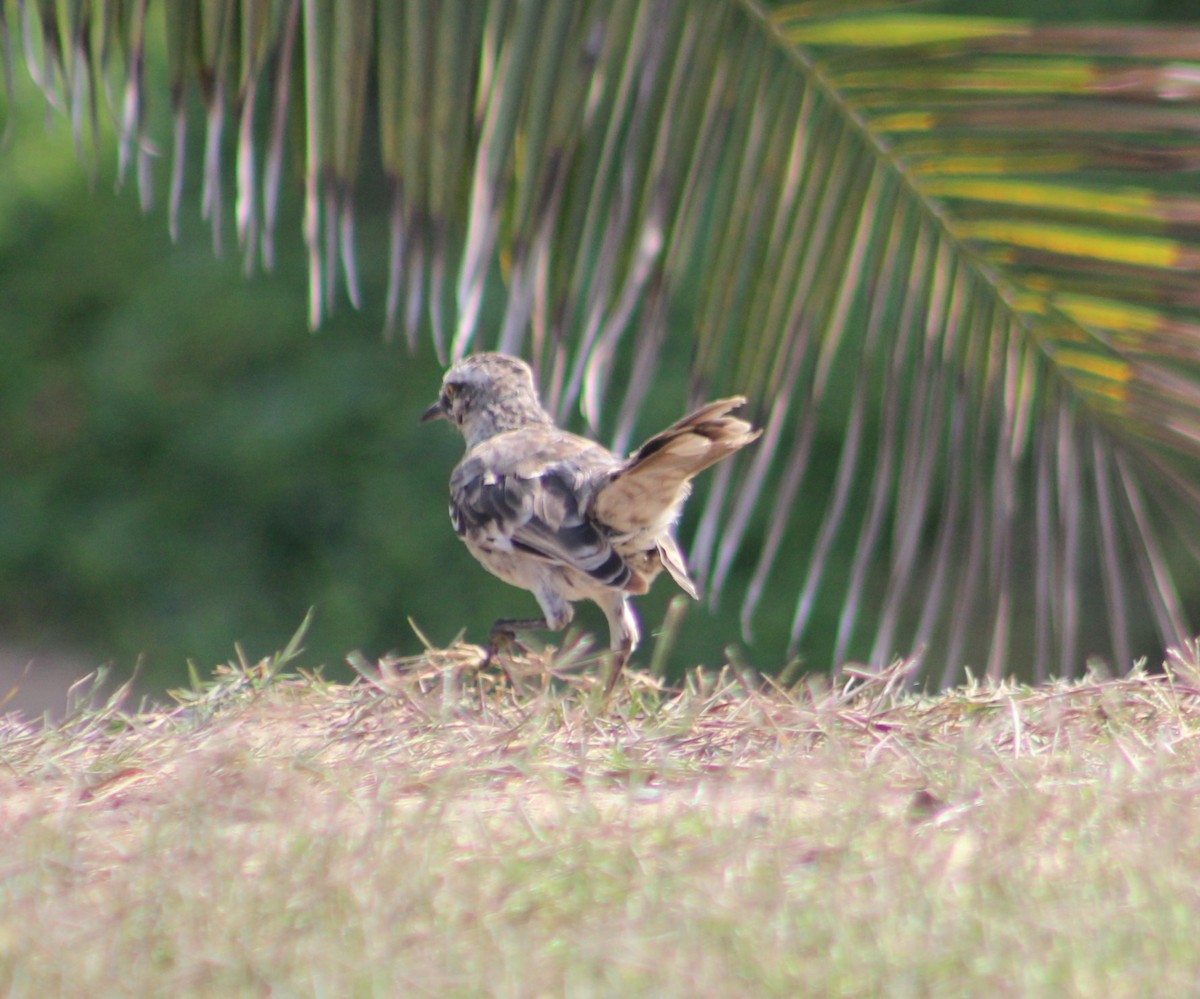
[{"x": 649, "y": 490}]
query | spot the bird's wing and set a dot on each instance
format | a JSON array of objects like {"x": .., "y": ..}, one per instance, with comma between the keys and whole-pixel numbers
[{"x": 509, "y": 495}]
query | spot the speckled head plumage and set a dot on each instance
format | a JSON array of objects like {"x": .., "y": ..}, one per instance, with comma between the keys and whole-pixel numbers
[{"x": 487, "y": 394}]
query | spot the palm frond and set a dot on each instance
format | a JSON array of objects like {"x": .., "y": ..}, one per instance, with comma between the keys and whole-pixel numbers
[{"x": 970, "y": 246}]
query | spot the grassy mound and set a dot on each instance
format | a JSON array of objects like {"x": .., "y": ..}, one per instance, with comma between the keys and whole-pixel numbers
[{"x": 433, "y": 832}]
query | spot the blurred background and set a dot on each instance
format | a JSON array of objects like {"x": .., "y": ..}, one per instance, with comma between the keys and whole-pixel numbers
[{"x": 183, "y": 466}]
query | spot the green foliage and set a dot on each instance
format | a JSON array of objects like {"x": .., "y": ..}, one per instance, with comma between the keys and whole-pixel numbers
[{"x": 184, "y": 466}]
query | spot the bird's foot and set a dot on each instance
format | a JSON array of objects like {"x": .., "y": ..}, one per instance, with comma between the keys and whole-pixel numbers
[{"x": 503, "y": 639}]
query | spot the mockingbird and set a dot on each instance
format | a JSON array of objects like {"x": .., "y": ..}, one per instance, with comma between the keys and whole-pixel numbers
[{"x": 562, "y": 516}]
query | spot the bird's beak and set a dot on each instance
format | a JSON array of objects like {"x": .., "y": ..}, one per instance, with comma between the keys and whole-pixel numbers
[{"x": 434, "y": 412}]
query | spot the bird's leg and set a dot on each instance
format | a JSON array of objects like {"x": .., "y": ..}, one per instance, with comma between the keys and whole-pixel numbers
[
  {"x": 623, "y": 634},
  {"x": 556, "y": 611},
  {"x": 619, "y": 658},
  {"x": 557, "y": 614}
]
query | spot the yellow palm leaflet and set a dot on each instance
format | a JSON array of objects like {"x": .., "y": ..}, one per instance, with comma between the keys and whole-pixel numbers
[
  {"x": 1102, "y": 367},
  {"x": 896, "y": 29},
  {"x": 1074, "y": 241},
  {"x": 1129, "y": 202},
  {"x": 1109, "y": 314},
  {"x": 1030, "y": 302},
  {"x": 1102, "y": 375},
  {"x": 1001, "y": 77},
  {"x": 910, "y": 121},
  {"x": 991, "y": 165}
]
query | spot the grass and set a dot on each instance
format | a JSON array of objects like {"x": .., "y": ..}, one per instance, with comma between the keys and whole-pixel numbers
[{"x": 429, "y": 832}]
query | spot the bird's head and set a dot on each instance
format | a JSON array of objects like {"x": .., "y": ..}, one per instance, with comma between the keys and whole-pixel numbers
[{"x": 486, "y": 394}]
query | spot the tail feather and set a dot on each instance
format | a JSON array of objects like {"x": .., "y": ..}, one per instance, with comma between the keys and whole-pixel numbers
[
  {"x": 649, "y": 490},
  {"x": 672, "y": 560}
]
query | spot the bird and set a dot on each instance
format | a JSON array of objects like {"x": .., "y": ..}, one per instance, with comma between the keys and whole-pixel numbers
[{"x": 563, "y": 516}]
